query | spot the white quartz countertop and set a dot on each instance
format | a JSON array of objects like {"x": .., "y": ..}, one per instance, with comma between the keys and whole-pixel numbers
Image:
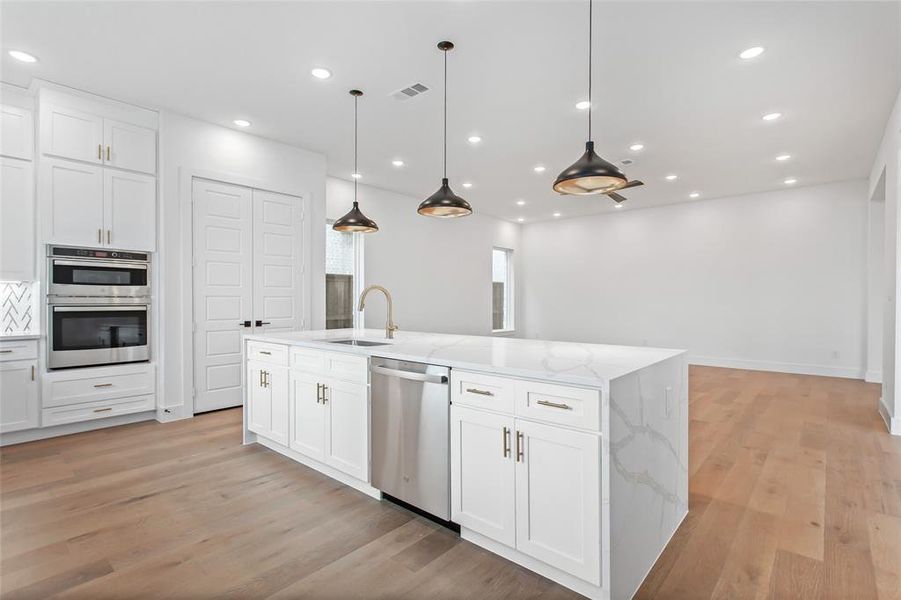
[
  {"x": 14, "y": 337},
  {"x": 590, "y": 365}
]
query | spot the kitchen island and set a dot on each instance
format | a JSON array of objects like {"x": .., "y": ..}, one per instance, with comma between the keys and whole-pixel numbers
[{"x": 569, "y": 459}]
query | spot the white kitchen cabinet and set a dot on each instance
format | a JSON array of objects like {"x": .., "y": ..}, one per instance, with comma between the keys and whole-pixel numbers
[
  {"x": 307, "y": 416},
  {"x": 16, "y": 132},
  {"x": 128, "y": 146},
  {"x": 71, "y": 133},
  {"x": 558, "y": 498},
  {"x": 268, "y": 401},
  {"x": 129, "y": 205},
  {"x": 73, "y": 199},
  {"x": 18, "y": 395},
  {"x": 482, "y": 473},
  {"x": 17, "y": 226},
  {"x": 347, "y": 427}
]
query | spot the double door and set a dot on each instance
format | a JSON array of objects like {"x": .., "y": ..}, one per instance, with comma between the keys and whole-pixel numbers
[
  {"x": 247, "y": 274},
  {"x": 530, "y": 486}
]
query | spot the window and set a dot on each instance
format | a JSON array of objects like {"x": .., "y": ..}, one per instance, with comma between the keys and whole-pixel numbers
[
  {"x": 502, "y": 289},
  {"x": 343, "y": 263}
]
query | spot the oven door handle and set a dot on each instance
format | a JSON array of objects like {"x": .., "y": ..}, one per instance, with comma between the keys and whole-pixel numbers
[
  {"x": 92, "y": 263},
  {"x": 101, "y": 307}
]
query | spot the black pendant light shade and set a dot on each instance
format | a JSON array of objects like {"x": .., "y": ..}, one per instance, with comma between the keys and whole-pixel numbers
[
  {"x": 591, "y": 174},
  {"x": 355, "y": 221},
  {"x": 444, "y": 203}
]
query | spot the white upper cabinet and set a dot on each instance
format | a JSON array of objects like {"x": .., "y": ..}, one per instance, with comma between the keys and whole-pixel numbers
[
  {"x": 17, "y": 227},
  {"x": 71, "y": 133},
  {"x": 129, "y": 204},
  {"x": 129, "y": 147},
  {"x": 73, "y": 196},
  {"x": 16, "y": 132}
]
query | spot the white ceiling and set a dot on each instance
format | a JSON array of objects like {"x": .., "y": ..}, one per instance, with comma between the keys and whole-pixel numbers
[{"x": 666, "y": 75}]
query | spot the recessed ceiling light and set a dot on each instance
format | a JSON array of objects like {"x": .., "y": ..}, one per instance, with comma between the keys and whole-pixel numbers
[
  {"x": 617, "y": 205},
  {"x": 538, "y": 168},
  {"x": 772, "y": 116},
  {"x": 474, "y": 139},
  {"x": 520, "y": 219},
  {"x": 520, "y": 203},
  {"x": 355, "y": 175},
  {"x": 583, "y": 105},
  {"x": 23, "y": 56},
  {"x": 397, "y": 163},
  {"x": 556, "y": 214},
  {"x": 636, "y": 147},
  {"x": 694, "y": 195},
  {"x": 241, "y": 123},
  {"x": 783, "y": 157},
  {"x": 467, "y": 184},
  {"x": 790, "y": 181},
  {"x": 751, "y": 52},
  {"x": 671, "y": 177},
  {"x": 321, "y": 73}
]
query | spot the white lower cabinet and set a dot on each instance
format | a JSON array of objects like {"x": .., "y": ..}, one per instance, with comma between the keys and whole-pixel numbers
[
  {"x": 307, "y": 416},
  {"x": 531, "y": 486},
  {"x": 18, "y": 395},
  {"x": 267, "y": 395}
]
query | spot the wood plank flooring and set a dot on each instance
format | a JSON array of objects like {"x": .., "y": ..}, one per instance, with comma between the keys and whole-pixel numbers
[{"x": 795, "y": 493}]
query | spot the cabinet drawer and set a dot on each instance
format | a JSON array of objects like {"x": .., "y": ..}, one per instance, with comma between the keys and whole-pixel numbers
[
  {"x": 18, "y": 350},
  {"x": 346, "y": 367},
  {"x": 576, "y": 407},
  {"x": 97, "y": 410},
  {"x": 274, "y": 354},
  {"x": 482, "y": 391},
  {"x": 90, "y": 385}
]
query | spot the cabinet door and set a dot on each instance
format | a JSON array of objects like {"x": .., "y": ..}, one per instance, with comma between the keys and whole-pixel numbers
[
  {"x": 558, "y": 500},
  {"x": 17, "y": 233},
  {"x": 307, "y": 416},
  {"x": 347, "y": 427},
  {"x": 482, "y": 473},
  {"x": 70, "y": 133},
  {"x": 129, "y": 147},
  {"x": 279, "y": 403},
  {"x": 259, "y": 398},
  {"x": 73, "y": 196},
  {"x": 129, "y": 210},
  {"x": 16, "y": 132},
  {"x": 18, "y": 396}
]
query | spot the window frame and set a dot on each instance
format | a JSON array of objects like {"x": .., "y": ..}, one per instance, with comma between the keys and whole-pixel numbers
[
  {"x": 358, "y": 284},
  {"x": 509, "y": 295}
]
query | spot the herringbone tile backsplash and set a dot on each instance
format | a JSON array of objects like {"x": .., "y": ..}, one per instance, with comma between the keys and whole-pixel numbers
[{"x": 17, "y": 307}]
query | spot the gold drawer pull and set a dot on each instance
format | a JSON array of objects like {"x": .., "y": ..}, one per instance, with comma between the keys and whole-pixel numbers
[
  {"x": 100, "y": 385},
  {"x": 102, "y": 409},
  {"x": 6, "y": 351},
  {"x": 479, "y": 392},
  {"x": 266, "y": 352},
  {"x": 554, "y": 404}
]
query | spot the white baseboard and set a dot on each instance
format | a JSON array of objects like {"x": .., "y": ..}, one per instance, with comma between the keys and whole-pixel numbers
[
  {"x": 31, "y": 435},
  {"x": 778, "y": 367},
  {"x": 893, "y": 424},
  {"x": 873, "y": 377}
]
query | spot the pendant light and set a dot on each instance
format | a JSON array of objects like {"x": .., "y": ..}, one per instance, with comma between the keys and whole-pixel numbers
[
  {"x": 355, "y": 220},
  {"x": 591, "y": 174},
  {"x": 444, "y": 203}
]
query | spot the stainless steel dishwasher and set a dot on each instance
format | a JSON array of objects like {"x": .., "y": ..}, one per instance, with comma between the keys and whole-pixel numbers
[{"x": 410, "y": 436}]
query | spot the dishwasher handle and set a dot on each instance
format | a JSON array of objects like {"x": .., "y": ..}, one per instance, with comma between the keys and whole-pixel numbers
[{"x": 424, "y": 377}]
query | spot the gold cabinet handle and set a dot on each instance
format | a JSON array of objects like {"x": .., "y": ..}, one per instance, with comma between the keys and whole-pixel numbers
[
  {"x": 107, "y": 153},
  {"x": 325, "y": 394},
  {"x": 96, "y": 410},
  {"x": 266, "y": 352},
  {"x": 318, "y": 392},
  {"x": 99, "y": 151},
  {"x": 554, "y": 404},
  {"x": 6, "y": 351},
  {"x": 102, "y": 385},
  {"x": 32, "y": 372},
  {"x": 109, "y": 236},
  {"x": 479, "y": 392},
  {"x": 99, "y": 236},
  {"x": 520, "y": 451},
  {"x": 506, "y": 442}
]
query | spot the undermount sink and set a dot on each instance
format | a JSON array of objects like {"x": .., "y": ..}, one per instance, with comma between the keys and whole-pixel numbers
[{"x": 357, "y": 342}]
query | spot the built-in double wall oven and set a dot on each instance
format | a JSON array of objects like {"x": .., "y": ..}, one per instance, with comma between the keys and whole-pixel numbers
[{"x": 98, "y": 304}]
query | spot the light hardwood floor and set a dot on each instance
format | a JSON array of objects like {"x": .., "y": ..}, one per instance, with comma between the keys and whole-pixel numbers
[{"x": 795, "y": 493}]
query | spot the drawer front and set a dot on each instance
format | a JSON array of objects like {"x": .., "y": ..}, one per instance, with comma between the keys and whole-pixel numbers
[
  {"x": 337, "y": 365},
  {"x": 18, "y": 350},
  {"x": 274, "y": 354},
  {"x": 77, "y": 387},
  {"x": 482, "y": 391},
  {"x": 310, "y": 361},
  {"x": 97, "y": 410},
  {"x": 552, "y": 403}
]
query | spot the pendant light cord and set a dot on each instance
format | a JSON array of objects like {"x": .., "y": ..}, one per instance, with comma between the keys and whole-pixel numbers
[
  {"x": 590, "y": 28},
  {"x": 355, "y": 149},
  {"x": 445, "y": 114}
]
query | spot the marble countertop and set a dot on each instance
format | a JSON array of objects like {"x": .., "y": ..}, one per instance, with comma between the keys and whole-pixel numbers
[
  {"x": 590, "y": 365},
  {"x": 14, "y": 337}
]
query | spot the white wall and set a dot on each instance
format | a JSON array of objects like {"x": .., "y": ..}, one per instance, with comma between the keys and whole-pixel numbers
[
  {"x": 887, "y": 164},
  {"x": 772, "y": 281},
  {"x": 189, "y": 146},
  {"x": 437, "y": 270}
]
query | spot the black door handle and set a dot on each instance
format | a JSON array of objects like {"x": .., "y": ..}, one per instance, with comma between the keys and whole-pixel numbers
[
  {"x": 261, "y": 323},
  {"x": 245, "y": 324}
]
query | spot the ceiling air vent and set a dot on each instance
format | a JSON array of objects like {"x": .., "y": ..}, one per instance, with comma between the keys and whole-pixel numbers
[{"x": 411, "y": 91}]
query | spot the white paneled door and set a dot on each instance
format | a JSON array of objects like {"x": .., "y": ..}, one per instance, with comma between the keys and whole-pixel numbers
[{"x": 247, "y": 278}]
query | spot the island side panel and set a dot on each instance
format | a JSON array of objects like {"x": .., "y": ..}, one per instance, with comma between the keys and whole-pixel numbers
[{"x": 648, "y": 468}]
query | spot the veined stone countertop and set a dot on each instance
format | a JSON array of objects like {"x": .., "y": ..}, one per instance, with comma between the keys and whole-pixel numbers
[{"x": 575, "y": 363}]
